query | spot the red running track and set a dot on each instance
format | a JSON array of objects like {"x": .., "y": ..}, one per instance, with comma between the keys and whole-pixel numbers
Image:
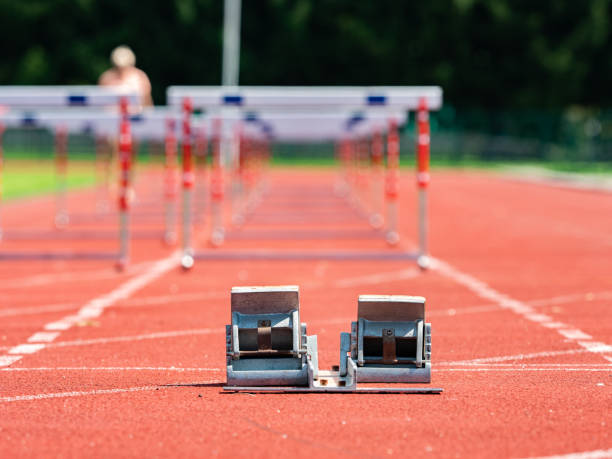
[{"x": 519, "y": 301}]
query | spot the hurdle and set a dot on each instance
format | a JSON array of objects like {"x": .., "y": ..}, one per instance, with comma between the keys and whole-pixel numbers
[
  {"x": 69, "y": 98},
  {"x": 420, "y": 99}
]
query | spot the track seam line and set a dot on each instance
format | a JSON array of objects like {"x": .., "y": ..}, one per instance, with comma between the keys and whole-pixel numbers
[
  {"x": 92, "y": 309},
  {"x": 520, "y": 308}
]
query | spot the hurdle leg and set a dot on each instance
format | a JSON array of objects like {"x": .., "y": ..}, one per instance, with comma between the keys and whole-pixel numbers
[
  {"x": 61, "y": 160},
  {"x": 377, "y": 189},
  {"x": 217, "y": 236},
  {"x": 423, "y": 178},
  {"x": 392, "y": 185},
  {"x": 170, "y": 148},
  {"x": 125, "y": 162},
  {"x": 187, "y": 259}
]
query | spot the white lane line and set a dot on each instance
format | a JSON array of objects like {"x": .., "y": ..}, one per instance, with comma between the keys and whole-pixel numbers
[
  {"x": 177, "y": 369},
  {"x": 596, "y": 454},
  {"x": 43, "y": 337},
  {"x": 508, "y": 358},
  {"x": 28, "y": 348},
  {"x": 476, "y": 369},
  {"x": 19, "y": 398},
  {"x": 575, "y": 334},
  {"x": 6, "y": 360},
  {"x": 536, "y": 365},
  {"x": 54, "y": 278},
  {"x": 121, "y": 339},
  {"x": 96, "y": 306},
  {"x": 595, "y": 346},
  {"x": 520, "y": 308},
  {"x": 161, "y": 300}
]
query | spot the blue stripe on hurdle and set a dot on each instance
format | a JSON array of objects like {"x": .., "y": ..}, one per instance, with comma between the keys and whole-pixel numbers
[
  {"x": 77, "y": 99},
  {"x": 374, "y": 99},
  {"x": 28, "y": 120},
  {"x": 232, "y": 99}
]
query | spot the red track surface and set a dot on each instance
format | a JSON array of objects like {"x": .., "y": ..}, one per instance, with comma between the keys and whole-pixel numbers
[{"x": 144, "y": 378}]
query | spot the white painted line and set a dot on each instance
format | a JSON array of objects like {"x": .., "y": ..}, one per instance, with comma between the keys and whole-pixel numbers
[
  {"x": 596, "y": 454},
  {"x": 61, "y": 325},
  {"x": 594, "y": 346},
  {"x": 43, "y": 337},
  {"x": 507, "y": 358},
  {"x": 574, "y": 334},
  {"x": 26, "y": 348},
  {"x": 19, "y": 398},
  {"x": 161, "y": 300},
  {"x": 476, "y": 369},
  {"x": 96, "y": 306},
  {"x": 55, "y": 278},
  {"x": 177, "y": 369},
  {"x": 554, "y": 325},
  {"x": 6, "y": 360},
  {"x": 520, "y": 308},
  {"x": 122, "y": 339}
]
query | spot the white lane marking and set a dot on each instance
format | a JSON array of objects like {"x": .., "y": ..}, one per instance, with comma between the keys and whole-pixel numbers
[
  {"x": 595, "y": 346},
  {"x": 537, "y": 365},
  {"x": 378, "y": 278},
  {"x": 507, "y": 358},
  {"x": 476, "y": 369},
  {"x": 483, "y": 290},
  {"x": 96, "y": 306},
  {"x": 43, "y": 337},
  {"x": 161, "y": 300},
  {"x": 178, "y": 369},
  {"x": 588, "y": 296},
  {"x": 596, "y": 454},
  {"x": 6, "y": 360},
  {"x": 28, "y": 348},
  {"x": 54, "y": 278},
  {"x": 19, "y": 398},
  {"x": 575, "y": 334},
  {"x": 121, "y": 339}
]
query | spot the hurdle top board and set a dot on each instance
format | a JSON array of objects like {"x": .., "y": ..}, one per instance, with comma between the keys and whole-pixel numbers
[
  {"x": 149, "y": 123},
  {"x": 323, "y": 126},
  {"x": 296, "y": 97},
  {"x": 65, "y": 96}
]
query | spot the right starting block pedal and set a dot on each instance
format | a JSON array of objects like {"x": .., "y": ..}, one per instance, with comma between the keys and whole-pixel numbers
[
  {"x": 390, "y": 341},
  {"x": 268, "y": 349}
]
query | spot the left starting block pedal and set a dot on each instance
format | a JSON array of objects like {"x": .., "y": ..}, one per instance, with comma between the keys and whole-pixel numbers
[{"x": 268, "y": 349}]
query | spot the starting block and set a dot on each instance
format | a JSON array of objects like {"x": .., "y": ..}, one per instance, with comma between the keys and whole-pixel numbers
[
  {"x": 266, "y": 343},
  {"x": 268, "y": 349}
]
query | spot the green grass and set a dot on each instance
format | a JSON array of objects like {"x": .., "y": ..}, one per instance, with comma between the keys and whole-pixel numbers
[{"x": 21, "y": 178}]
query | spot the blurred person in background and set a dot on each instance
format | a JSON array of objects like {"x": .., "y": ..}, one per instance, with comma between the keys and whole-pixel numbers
[{"x": 124, "y": 74}]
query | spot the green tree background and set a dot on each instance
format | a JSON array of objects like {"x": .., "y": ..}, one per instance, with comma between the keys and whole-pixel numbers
[{"x": 485, "y": 53}]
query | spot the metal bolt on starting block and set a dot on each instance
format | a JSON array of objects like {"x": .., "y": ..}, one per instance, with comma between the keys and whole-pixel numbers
[{"x": 268, "y": 349}]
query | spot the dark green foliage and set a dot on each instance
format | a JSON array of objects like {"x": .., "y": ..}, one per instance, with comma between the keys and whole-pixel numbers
[{"x": 485, "y": 53}]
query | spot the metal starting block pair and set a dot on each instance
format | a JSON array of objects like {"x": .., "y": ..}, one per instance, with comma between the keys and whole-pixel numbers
[{"x": 268, "y": 349}]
